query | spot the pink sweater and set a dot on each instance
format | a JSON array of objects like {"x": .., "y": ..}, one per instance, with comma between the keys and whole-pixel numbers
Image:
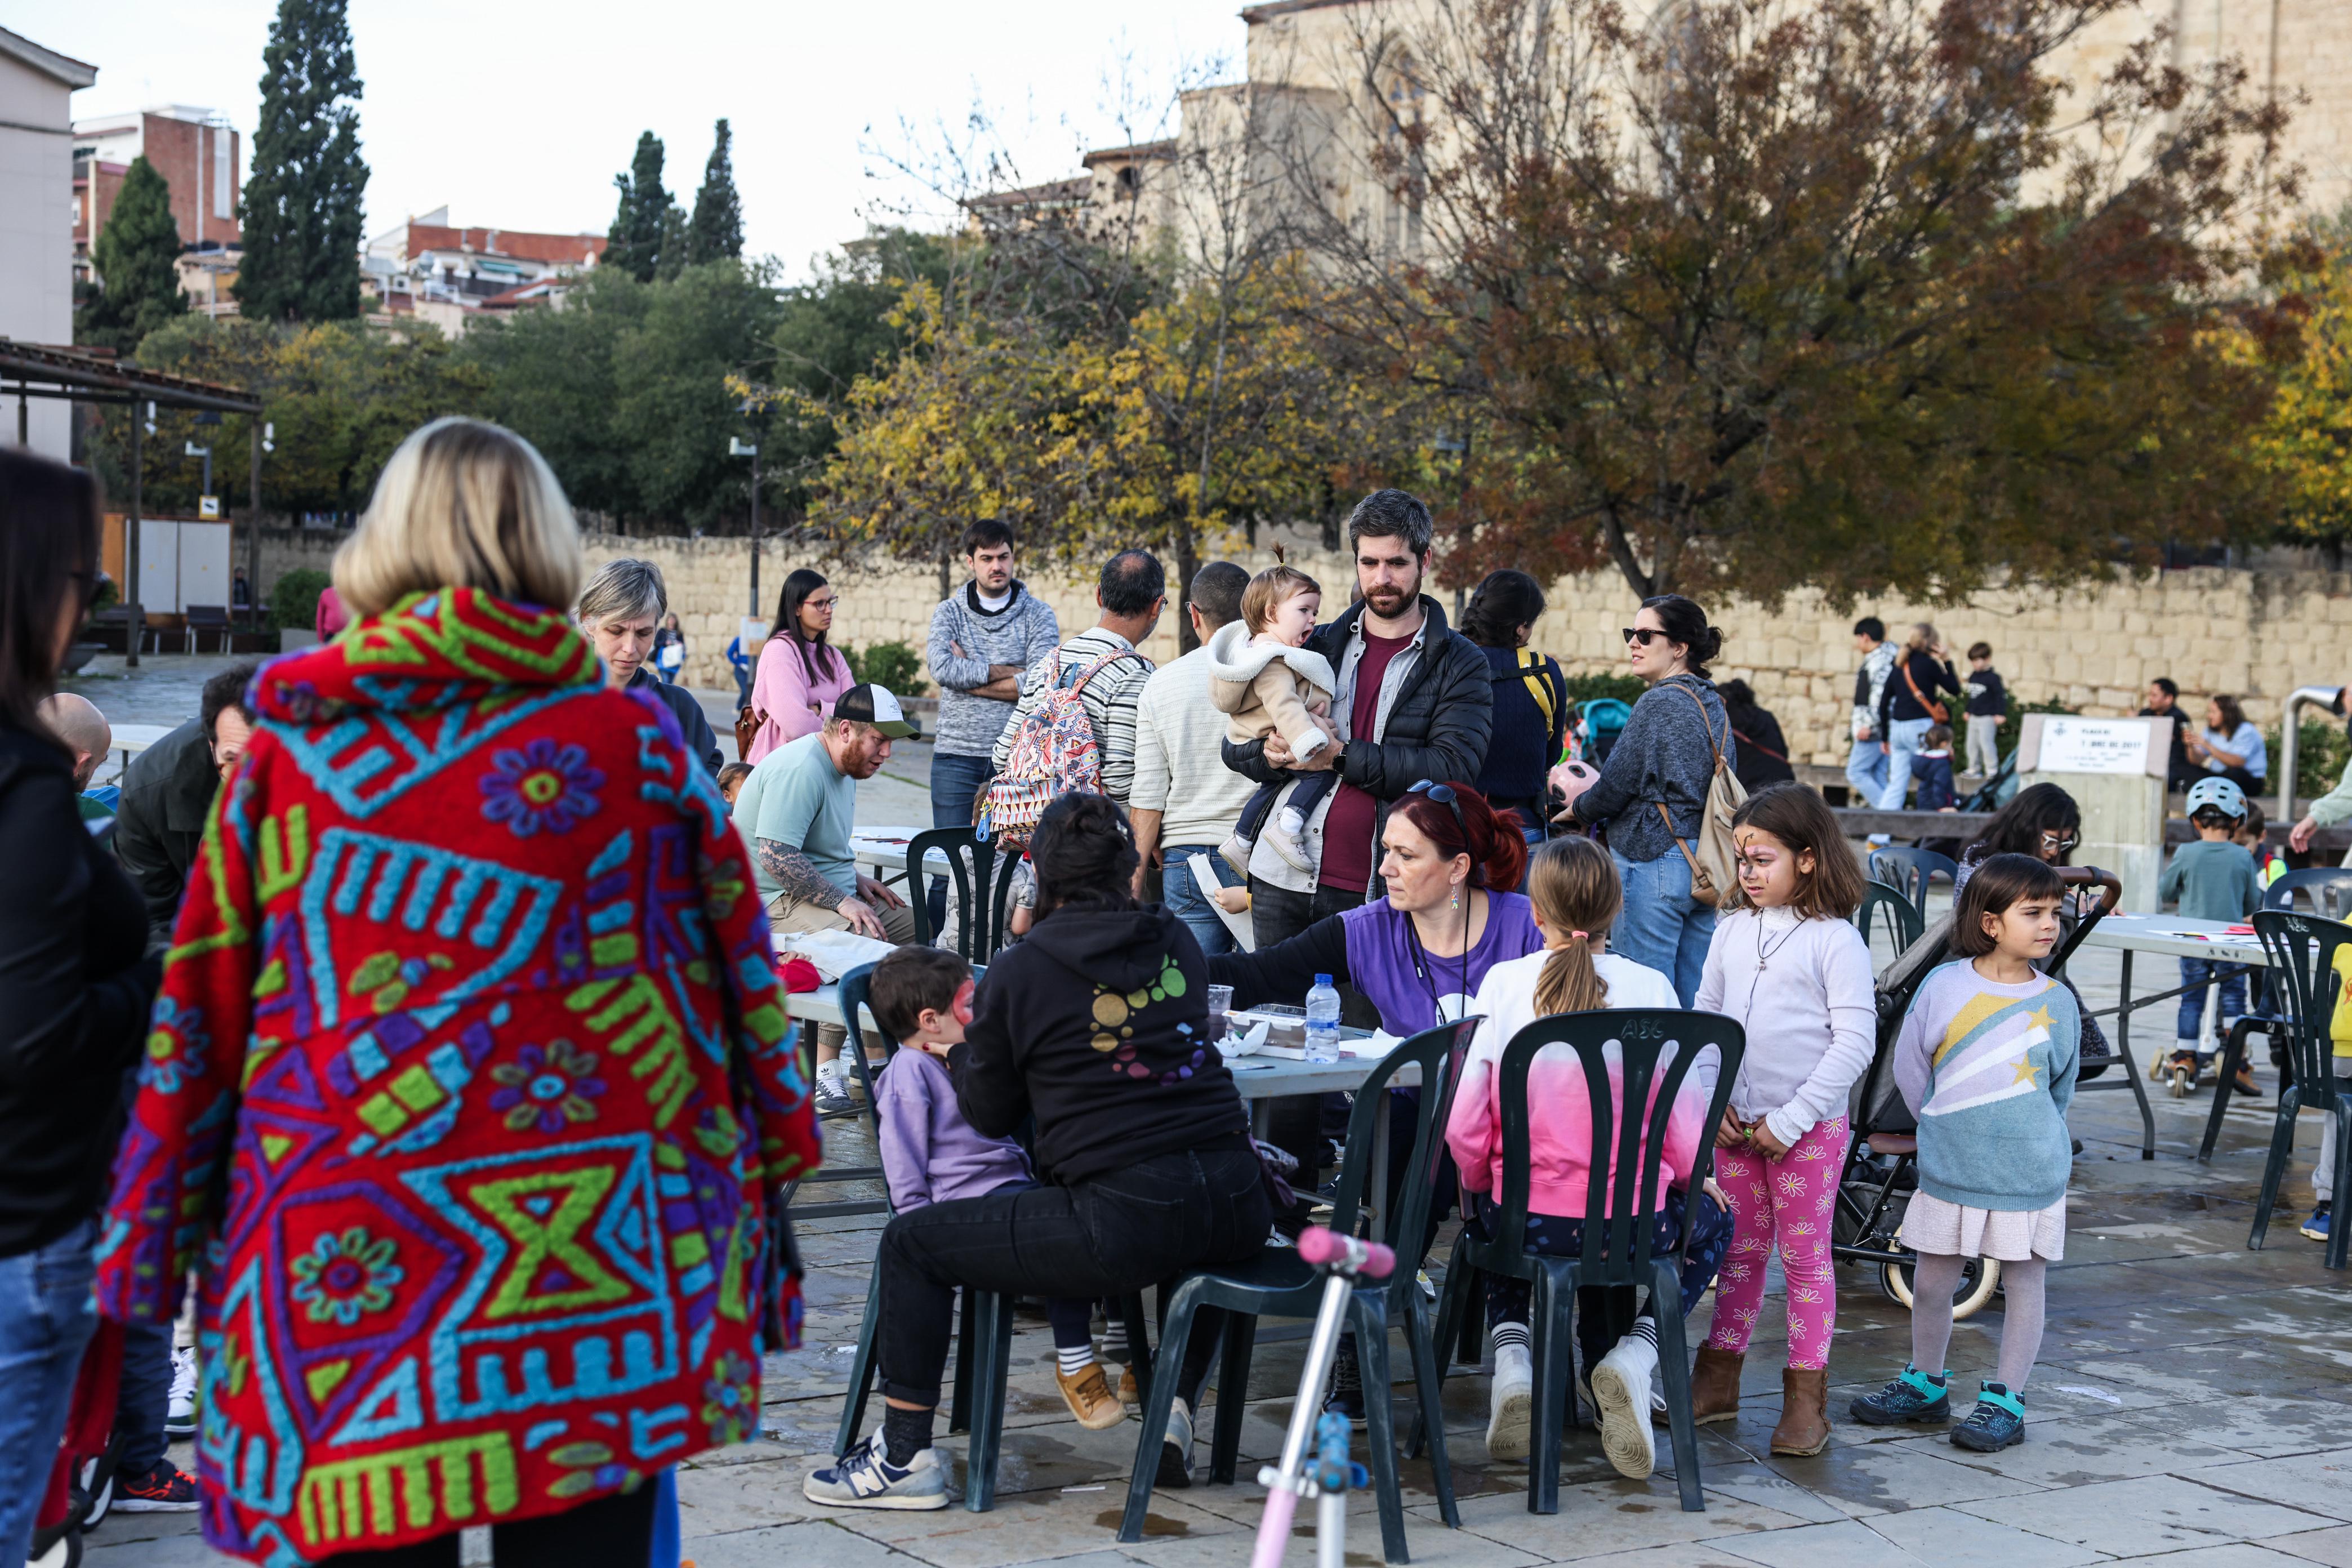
[
  {"x": 782, "y": 691},
  {"x": 1559, "y": 1121}
]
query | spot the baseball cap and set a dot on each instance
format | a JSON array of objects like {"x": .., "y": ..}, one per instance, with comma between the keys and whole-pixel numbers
[{"x": 877, "y": 705}]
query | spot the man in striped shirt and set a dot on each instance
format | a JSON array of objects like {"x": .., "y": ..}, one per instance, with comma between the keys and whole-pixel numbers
[{"x": 1132, "y": 593}]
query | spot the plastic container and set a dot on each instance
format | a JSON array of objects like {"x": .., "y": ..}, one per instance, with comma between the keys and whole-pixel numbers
[{"x": 1323, "y": 1022}]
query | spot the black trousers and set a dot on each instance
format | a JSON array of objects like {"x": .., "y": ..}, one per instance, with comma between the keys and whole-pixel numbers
[
  {"x": 1114, "y": 1235},
  {"x": 614, "y": 1532}
]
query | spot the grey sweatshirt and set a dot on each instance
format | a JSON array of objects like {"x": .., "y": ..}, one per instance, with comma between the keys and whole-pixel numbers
[
  {"x": 1662, "y": 755},
  {"x": 1020, "y": 634}
]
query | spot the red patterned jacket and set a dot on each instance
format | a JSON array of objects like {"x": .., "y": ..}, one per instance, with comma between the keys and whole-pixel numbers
[{"x": 467, "y": 1091}]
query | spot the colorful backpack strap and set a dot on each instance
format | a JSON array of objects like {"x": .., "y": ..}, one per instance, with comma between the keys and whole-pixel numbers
[{"x": 1079, "y": 682}]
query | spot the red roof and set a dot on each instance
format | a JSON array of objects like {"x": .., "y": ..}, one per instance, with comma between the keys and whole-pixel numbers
[{"x": 556, "y": 250}]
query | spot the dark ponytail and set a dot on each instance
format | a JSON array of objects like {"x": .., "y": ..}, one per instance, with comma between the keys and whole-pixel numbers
[
  {"x": 1084, "y": 854},
  {"x": 1685, "y": 623}
]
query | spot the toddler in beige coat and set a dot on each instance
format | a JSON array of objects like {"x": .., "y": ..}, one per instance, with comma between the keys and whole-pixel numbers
[{"x": 1268, "y": 683}]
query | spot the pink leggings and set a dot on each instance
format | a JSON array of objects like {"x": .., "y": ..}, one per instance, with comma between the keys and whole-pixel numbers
[{"x": 1790, "y": 1201}]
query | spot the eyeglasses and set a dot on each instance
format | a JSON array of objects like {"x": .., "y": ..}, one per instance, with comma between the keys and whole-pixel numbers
[
  {"x": 1645, "y": 636},
  {"x": 2060, "y": 841},
  {"x": 820, "y": 604}
]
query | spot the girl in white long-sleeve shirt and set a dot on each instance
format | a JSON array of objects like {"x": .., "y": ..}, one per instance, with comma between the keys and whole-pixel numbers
[{"x": 1786, "y": 963}]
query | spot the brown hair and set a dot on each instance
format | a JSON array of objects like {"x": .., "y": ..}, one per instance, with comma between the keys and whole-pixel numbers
[
  {"x": 2254, "y": 820},
  {"x": 1922, "y": 638},
  {"x": 1801, "y": 819},
  {"x": 2232, "y": 714},
  {"x": 732, "y": 771},
  {"x": 1269, "y": 589},
  {"x": 1999, "y": 882},
  {"x": 1980, "y": 650},
  {"x": 909, "y": 979},
  {"x": 1574, "y": 884}
]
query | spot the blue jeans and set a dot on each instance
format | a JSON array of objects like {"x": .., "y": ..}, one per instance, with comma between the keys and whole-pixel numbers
[
  {"x": 144, "y": 1398},
  {"x": 1902, "y": 740},
  {"x": 1661, "y": 925},
  {"x": 1185, "y": 899},
  {"x": 46, "y": 1316},
  {"x": 1865, "y": 772},
  {"x": 2199, "y": 971},
  {"x": 956, "y": 781}
]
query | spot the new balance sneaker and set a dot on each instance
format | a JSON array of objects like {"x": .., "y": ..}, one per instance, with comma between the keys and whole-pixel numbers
[
  {"x": 2316, "y": 1226},
  {"x": 1997, "y": 1422},
  {"x": 1176, "y": 1447},
  {"x": 865, "y": 1477},
  {"x": 1346, "y": 1394},
  {"x": 180, "y": 1415},
  {"x": 166, "y": 1489},
  {"x": 1913, "y": 1397},
  {"x": 1511, "y": 1405},
  {"x": 1621, "y": 1392},
  {"x": 833, "y": 1097}
]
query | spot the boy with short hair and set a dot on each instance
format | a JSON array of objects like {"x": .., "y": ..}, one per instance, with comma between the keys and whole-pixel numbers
[
  {"x": 1988, "y": 706},
  {"x": 921, "y": 996},
  {"x": 1932, "y": 767},
  {"x": 2213, "y": 880}
]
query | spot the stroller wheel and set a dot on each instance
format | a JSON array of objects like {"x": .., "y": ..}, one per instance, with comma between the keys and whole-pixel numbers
[
  {"x": 63, "y": 1552},
  {"x": 1979, "y": 1277}
]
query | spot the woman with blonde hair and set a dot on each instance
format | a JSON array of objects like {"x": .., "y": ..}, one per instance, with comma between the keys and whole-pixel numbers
[
  {"x": 470, "y": 1085},
  {"x": 621, "y": 611},
  {"x": 1908, "y": 707},
  {"x": 1573, "y": 886}
]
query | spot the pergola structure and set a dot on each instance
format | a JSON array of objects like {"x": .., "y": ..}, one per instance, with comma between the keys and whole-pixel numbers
[{"x": 36, "y": 370}]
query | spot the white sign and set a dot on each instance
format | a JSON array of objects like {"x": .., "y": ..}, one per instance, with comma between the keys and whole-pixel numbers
[
  {"x": 208, "y": 507},
  {"x": 2071, "y": 745}
]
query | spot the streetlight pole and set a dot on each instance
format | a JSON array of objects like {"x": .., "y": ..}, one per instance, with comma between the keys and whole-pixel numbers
[
  {"x": 135, "y": 619},
  {"x": 739, "y": 448}
]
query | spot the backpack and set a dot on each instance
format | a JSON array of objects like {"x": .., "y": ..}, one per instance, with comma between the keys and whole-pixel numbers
[
  {"x": 1543, "y": 687},
  {"x": 1054, "y": 753},
  {"x": 1714, "y": 863}
]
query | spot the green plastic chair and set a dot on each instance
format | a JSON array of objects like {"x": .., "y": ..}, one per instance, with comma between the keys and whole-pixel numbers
[
  {"x": 1279, "y": 1284},
  {"x": 1902, "y": 916},
  {"x": 1909, "y": 871},
  {"x": 1619, "y": 1215},
  {"x": 2304, "y": 979},
  {"x": 982, "y": 885}
]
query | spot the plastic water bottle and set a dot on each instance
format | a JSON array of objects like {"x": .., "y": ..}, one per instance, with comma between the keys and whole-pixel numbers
[{"x": 1323, "y": 1022}]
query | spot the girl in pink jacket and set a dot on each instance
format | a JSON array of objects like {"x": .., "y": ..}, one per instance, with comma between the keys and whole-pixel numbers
[
  {"x": 800, "y": 673},
  {"x": 1573, "y": 885}
]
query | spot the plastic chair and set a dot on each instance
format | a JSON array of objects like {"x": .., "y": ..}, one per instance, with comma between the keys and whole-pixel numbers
[
  {"x": 1618, "y": 1217},
  {"x": 982, "y": 883},
  {"x": 1907, "y": 872},
  {"x": 2303, "y": 952},
  {"x": 1279, "y": 1284},
  {"x": 1903, "y": 917},
  {"x": 2328, "y": 891}
]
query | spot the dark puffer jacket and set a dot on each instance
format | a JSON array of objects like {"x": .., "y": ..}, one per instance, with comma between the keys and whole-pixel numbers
[{"x": 1438, "y": 724}]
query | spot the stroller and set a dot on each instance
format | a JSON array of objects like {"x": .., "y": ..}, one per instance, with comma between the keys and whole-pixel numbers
[{"x": 1882, "y": 1163}]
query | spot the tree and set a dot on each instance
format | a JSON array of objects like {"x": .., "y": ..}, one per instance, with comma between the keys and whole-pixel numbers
[
  {"x": 136, "y": 258},
  {"x": 301, "y": 213},
  {"x": 2307, "y": 441},
  {"x": 717, "y": 233},
  {"x": 636, "y": 241},
  {"x": 1784, "y": 292}
]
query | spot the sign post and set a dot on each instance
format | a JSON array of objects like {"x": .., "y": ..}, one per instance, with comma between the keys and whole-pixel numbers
[{"x": 2115, "y": 769}]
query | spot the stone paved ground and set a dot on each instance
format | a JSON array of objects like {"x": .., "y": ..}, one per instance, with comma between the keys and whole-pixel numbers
[{"x": 2194, "y": 1405}]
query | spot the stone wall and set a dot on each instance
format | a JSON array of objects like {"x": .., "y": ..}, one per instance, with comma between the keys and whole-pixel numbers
[{"x": 2256, "y": 632}]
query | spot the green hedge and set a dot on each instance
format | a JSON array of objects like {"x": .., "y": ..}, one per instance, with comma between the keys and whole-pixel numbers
[
  {"x": 294, "y": 598},
  {"x": 893, "y": 666},
  {"x": 2321, "y": 749}
]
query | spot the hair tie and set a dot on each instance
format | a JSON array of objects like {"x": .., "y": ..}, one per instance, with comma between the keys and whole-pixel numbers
[{"x": 1581, "y": 936}]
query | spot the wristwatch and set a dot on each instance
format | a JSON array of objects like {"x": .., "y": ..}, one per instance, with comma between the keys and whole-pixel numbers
[{"x": 1340, "y": 761}]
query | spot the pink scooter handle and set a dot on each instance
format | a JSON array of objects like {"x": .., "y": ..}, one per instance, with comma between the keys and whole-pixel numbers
[{"x": 1327, "y": 1249}]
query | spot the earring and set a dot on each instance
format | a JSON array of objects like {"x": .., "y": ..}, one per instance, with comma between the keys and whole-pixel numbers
[{"x": 1453, "y": 901}]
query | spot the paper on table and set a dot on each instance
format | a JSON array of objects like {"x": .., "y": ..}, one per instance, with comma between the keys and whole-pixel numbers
[
  {"x": 1249, "y": 1042},
  {"x": 1205, "y": 876},
  {"x": 835, "y": 952}
]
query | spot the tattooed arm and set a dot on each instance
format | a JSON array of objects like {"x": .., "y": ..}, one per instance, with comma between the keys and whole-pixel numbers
[{"x": 800, "y": 882}]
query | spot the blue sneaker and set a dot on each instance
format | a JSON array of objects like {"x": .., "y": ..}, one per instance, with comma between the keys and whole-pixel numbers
[
  {"x": 2316, "y": 1226},
  {"x": 1913, "y": 1397},
  {"x": 1997, "y": 1421},
  {"x": 865, "y": 1477}
]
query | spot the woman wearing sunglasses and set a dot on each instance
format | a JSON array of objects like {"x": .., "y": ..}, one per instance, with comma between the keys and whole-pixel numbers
[{"x": 1653, "y": 787}]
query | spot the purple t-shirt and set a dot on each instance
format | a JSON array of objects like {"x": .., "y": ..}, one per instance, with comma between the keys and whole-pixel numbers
[{"x": 1387, "y": 964}]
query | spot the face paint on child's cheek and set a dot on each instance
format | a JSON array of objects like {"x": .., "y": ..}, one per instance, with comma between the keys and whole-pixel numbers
[{"x": 963, "y": 1003}]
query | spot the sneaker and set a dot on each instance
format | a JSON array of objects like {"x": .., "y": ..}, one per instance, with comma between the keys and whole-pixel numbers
[
  {"x": 1129, "y": 1393},
  {"x": 1176, "y": 1447},
  {"x": 1621, "y": 1391},
  {"x": 865, "y": 1477},
  {"x": 1913, "y": 1397},
  {"x": 832, "y": 1096},
  {"x": 1347, "y": 1392},
  {"x": 1998, "y": 1422},
  {"x": 180, "y": 1416},
  {"x": 1512, "y": 1405},
  {"x": 166, "y": 1489},
  {"x": 1089, "y": 1398},
  {"x": 1428, "y": 1286},
  {"x": 1287, "y": 845},
  {"x": 1237, "y": 851},
  {"x": 2316, "y": 1226},
  {"x": 2245, "y": 1087}
]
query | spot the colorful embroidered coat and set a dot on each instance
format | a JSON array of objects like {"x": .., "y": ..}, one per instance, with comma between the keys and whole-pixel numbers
[{"x": 468, "y": 1083}]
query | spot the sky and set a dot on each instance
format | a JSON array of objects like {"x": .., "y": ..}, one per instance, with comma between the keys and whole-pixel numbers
[{"x": 518, "y": 117}]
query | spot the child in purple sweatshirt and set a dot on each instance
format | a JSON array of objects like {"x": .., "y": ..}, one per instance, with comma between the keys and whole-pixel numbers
[{"x": 930, "y": 1154}]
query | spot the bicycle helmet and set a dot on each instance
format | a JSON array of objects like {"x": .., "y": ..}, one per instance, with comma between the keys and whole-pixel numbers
[{"x": 2220, "y": 794}]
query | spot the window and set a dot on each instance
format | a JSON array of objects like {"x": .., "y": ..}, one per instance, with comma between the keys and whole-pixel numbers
[{"x": 223, "y": 172}]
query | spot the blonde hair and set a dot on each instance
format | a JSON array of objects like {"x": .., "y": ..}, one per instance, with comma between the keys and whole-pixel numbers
[
  {"x": 462, "y": 504},
  {"x": 622, "y": 590},
  {"x": 1572, "y": 883},
  {"x": 1922, "y": 638},
  {"x": 1269, "y": 589}
]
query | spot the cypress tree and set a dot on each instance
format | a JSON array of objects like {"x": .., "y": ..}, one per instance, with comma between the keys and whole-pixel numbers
[
  {"x": 302, "y": 201},
  {"x": 135, "y": 257},
  {"x": 634, "y": 243},
  {"x": 717, "y": 229}
]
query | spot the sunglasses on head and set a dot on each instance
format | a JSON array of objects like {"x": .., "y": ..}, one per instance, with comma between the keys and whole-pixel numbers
[{"x": 1645, "y": 636}]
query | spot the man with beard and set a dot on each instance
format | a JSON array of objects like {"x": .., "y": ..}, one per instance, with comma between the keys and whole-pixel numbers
[{"x": 1414, "y": 702}]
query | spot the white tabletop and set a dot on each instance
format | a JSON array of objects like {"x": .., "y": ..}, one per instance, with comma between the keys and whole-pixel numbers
[
  {"x": 2178, "y": 935},
  {"x": 885, "y": 846},
  {"x": 137, "y": 737}
]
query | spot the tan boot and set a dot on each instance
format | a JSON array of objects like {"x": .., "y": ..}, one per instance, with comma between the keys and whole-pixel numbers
[
  {"x": 1804, "y": 1428},
  {"x": 1714, "y": 1388},
  {"x": 1089, "y": 1398}
]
